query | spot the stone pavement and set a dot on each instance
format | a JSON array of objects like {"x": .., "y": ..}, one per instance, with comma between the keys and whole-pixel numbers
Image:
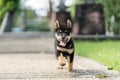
[
  {"x": 27, "y": 45},
  {"x": 34, "y": 59}
]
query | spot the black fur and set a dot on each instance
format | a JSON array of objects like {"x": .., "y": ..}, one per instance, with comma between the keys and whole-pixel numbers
[{"x": 69, "y": 44}]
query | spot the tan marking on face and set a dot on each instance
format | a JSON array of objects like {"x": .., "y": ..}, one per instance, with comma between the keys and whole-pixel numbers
[
  {"x": 68, "y": 37},
  {"x": 69, "y": 65},
  {"x": 60, "y": 30},
  {"x": 65, "y": 50},
  {"x": 58, "y": 37}
]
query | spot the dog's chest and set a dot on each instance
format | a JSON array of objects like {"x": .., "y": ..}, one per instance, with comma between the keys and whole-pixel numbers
[{"x": 69, "y": 49}]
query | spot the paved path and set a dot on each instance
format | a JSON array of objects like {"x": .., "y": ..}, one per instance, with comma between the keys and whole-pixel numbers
[
  {"x": 34, "y": 59},
  {"x": 44, "y": 66},
  {"x": 27, "y": 45}
]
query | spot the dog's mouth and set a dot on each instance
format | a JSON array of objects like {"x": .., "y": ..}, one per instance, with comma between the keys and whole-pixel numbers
[{"x": 63, "y": 43}]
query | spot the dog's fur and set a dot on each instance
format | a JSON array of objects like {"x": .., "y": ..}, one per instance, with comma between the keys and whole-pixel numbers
[{"x": 64, "y": 46}]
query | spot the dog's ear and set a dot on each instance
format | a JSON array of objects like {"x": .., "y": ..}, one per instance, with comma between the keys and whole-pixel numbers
[
  {"x": 69, "y": 24},
  {"x": 57, "y": 25}
]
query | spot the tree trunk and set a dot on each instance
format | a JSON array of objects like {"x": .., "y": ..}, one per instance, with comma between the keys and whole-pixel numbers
[{"x": 7, "y": 22}]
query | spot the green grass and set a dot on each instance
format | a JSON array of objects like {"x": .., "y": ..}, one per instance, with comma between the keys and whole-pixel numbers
[{"x": 106, "y": 52}]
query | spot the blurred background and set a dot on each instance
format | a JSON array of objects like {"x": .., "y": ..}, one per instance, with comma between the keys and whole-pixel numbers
[
  {"x": 91, "y": 19},
  {"x": 88, "y": 16}
]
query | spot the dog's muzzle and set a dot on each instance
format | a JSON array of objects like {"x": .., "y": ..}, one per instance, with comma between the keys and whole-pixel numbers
[{"x": 63, "y": 43}]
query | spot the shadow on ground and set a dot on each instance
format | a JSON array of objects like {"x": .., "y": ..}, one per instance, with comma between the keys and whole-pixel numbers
[{"x": 76, "y": 73}]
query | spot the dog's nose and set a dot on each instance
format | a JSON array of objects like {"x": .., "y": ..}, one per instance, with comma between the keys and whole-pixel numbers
[{"x": 63, "y": 36}]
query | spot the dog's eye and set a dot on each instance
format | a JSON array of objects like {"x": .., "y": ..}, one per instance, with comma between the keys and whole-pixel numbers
[
  {"x": 59, "y": 31},
  {"x": 66, "y": 31}
]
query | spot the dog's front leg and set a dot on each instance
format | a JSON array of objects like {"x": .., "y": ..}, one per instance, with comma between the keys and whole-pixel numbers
[
  {"x": 60, "y": 61},
  {"x": 69, "y": 64}
]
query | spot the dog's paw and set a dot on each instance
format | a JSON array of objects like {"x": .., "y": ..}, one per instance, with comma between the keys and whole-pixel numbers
[
  {"x": 70, "y": 70},
  {"x": 60, "y": 67}
]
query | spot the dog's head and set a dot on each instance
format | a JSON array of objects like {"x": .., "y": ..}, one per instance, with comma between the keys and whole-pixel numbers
[{"x": 63, "y": 32}]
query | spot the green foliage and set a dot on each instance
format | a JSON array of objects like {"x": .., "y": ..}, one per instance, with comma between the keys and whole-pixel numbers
[
  {"x": 1, "y": 3},
  {"x": 30, "y": 14},
  {"x": 72, "y": 8},
  {"x": 8, "y": 5},
  {"x": 101, "y": 75},
  {"x": 33, "y": 22},
  {"x": 42, "y": 26},
  {"x": 105, "y": 52},
  {"x": 111, "y": 8}
]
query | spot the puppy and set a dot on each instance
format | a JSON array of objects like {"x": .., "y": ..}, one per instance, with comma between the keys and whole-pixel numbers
[{"x": 64, "y": 45}]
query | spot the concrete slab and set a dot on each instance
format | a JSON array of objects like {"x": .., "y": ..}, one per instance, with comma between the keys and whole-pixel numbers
[
  {"x": 42, "y": 66},
  {"x": 27, "y": 45}
]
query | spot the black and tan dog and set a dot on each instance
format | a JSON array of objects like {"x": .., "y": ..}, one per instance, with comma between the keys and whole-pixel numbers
[{"x": 64, "y": 46}]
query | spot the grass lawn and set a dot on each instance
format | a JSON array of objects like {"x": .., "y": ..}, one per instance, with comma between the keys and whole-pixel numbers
[{"x": 106, "y": 52}]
